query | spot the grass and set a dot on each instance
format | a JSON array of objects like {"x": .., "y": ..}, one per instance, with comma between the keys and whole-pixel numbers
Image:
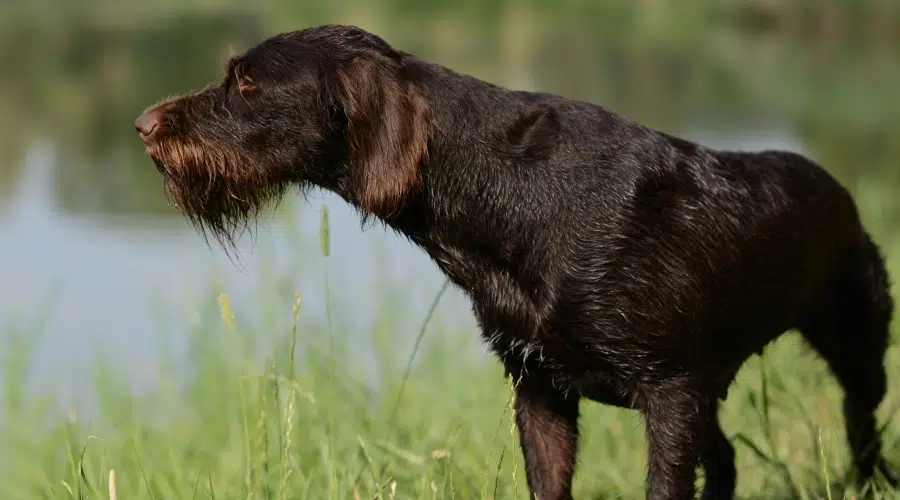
[
  {"x": 304, "y": 420},
  {"x": 273, "y": 409}
]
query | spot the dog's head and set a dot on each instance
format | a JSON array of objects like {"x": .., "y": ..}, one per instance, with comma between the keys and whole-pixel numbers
[{"x": 328, "y": 106}]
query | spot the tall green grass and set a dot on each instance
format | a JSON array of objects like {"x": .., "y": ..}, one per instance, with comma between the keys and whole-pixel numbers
[{"x": 307, "y": 421}]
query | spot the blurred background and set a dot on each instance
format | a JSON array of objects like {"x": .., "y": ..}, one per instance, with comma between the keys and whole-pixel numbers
[
  {"x": 93, "y": 261},
  {"x": 90, "y": 248}
]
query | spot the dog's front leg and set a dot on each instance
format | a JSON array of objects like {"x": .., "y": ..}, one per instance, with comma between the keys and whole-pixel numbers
[
  {"x": 547, "y": 421},
  {"x": 677, "y": 418}
]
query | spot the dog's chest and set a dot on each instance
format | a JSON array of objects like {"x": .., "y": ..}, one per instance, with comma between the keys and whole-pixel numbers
[
  {"x": 513, "y": 307},
  {"x": 504, "y": 297},
  {"x": 517, "y": 325},
  {"x": 562, "y": 366}
]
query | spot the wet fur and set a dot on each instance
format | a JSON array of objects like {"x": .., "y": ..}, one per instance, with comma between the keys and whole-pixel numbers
[{"x": 605, "y": 260}]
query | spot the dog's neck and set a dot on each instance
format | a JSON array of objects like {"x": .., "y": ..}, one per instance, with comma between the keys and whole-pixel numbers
[
  {"x": 470, "y": 173},
  {"x": 469, "y": 177},
  {"x": 462, "y": 212},
  {"x": 478, "y": 161}
]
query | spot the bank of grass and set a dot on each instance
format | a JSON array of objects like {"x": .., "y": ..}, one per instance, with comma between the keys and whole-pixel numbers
[{"x": 305, "y": 420}]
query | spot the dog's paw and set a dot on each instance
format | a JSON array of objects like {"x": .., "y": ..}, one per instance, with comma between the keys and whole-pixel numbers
[{"x": 890, "y": 473}]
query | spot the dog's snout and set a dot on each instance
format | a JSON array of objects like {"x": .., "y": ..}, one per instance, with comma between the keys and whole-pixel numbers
[{"x": 148, "y": 123}]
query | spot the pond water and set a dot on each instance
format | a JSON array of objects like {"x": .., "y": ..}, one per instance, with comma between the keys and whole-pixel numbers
[{"x": 92, "y": 258}]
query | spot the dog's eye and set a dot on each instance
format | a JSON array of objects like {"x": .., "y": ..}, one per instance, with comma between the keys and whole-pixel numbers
[{"x": 245, "y": 84}]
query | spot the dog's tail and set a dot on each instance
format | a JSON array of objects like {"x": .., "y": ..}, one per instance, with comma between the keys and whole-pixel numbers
[{"x": 876, "y": 280}]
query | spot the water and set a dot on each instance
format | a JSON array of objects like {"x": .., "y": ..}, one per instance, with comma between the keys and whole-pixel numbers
[
  {"x": 117, "y": 285},
  {"x": 91, "y": 253}
]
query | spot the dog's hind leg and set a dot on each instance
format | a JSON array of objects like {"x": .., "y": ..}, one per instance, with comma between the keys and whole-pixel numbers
[
  {"x": 717, "y": 459},
  {"x": 850, "y": 330}
]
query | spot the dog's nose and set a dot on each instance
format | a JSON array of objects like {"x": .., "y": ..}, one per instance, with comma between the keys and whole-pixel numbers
[{"x": 147, "y": 123}]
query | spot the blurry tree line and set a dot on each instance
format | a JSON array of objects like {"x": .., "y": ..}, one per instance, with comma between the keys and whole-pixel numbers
[{"x": 80, "y": 71}]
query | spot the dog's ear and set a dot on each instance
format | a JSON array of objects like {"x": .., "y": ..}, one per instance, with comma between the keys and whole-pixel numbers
[{"x": 388, "y": 127}]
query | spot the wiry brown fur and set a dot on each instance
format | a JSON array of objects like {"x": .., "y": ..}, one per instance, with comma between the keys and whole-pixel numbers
[
  {"x": 387, "y": 134},
  {"x": 221, "y": 186},
  {"x": 605, "y": 260},
  {"x": 212, "y": 183}
]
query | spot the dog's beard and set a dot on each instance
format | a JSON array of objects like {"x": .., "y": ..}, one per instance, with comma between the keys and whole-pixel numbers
[{"x": 220, "y": 191}]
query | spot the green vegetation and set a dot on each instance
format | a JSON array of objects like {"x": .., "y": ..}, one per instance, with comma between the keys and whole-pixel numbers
[
  {"x": 270, "y": 410},
  {"x": 301, "y": 419}
]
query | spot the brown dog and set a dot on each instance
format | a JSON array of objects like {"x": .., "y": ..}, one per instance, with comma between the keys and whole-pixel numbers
[{"x": 605, "y": 260}]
